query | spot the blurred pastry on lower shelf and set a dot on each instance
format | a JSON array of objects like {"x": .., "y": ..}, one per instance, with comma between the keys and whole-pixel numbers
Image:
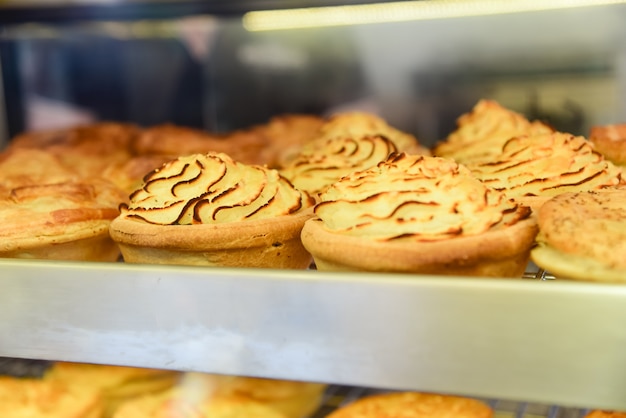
[
  {"x": 413, "y": 405},
  {"x": 115, "y": 384},
  {"x": 599, "y": 413},
  {"x": 37, "y": 398},
  {"x": 582, "y": 236},
  {"x": 179, "y": 404},
  {"x": 422, "y": 215},
  {"x": 209, "y": 210},
  {"x": 293, "y": 399}
]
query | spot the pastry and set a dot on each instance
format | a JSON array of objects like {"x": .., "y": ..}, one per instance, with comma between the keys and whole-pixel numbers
[
  {"x": 115, "y": 384},
  {"x": 293, "y": 399},
  {"x": 582, "y": 236},
  {"x": 66, "y": 221},
  {"x": 182, "y": 404},
  {"x": 610, "y": 141},
  {"x": 481, "y": 133},
  {"x": 533, "y": 169},
  {"x": 598, "y": 413},
  {"x": 413, "y": 405},
  {"x": 285, "y": 135},
  {"x": 88, "y": 149},
  {"x": 210, "y": 210},
  {"x": 347, "y": 143},
  {"x": 358, "y": 124},
  {"x": 418, "y": 214},
  {"x": 36, "y": 398}
]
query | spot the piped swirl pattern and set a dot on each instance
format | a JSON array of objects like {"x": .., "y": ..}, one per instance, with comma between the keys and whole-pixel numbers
[
  {"x": 212, "y": 188},
  {"x": 415, "y": 198},
  {"x": 547, "y": 165}
]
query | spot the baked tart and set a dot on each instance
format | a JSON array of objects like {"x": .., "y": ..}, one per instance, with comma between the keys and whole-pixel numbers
[
  {"x": 114, "y": 384},
  {"x": 481, "y": 133},
  {"x": 37, "y": 398},
  {"x": 418, "y": 214},
  {"x": 582, "y": 236},
  {"x": 532, "y": 169},
  {"x": 63, "y": 221},
  {"x": 413, "y": 405},
  {"x": 610, "y": 141},
  {"x": 207, "y": 209}
]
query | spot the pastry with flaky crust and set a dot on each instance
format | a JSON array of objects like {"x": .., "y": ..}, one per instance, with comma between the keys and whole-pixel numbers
[
  {"x": 610, "y": 141},
  {"x": 417, "y": 214},
  {"x": 206, "y": 209},
  {"x": 481, "y": 133},
  {"x": 88, "y": 149},
  {"x": 532, "y": 169},
  {"x": 37, "y": 398},
  {"x": 413, "y": 405},
  {"x": 67, "y": 221},
  {"x": 582, "y": 236},
  {"x": 115, "y": 384},
  {"x": 347, "y": 143}
]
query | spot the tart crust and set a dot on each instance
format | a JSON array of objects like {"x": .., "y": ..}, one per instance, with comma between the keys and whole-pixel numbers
[
  {"x": 498, "y": 253},
  {"x": 263, "y": 243}
]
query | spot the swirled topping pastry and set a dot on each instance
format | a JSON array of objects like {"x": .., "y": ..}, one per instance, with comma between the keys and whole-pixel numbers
[
  {"x": 481, "y": 133},
  {"x": 328, "y": 160},
  {"x": 547, "y": 165},
  {"x": 212, "y": 188},
  {"x": 415, "y": 198},
  {"x": 362, "y": 124}
]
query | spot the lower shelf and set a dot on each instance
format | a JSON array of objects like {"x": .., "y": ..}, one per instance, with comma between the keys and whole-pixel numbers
[{"x": 543, "y": 341}]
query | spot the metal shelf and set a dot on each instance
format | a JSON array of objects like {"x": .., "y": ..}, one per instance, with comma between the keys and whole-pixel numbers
[{"x": 545, "y": 341}]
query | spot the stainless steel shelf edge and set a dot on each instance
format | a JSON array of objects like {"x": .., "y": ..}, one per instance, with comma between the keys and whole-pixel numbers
[{"x": 553, "y": 341}]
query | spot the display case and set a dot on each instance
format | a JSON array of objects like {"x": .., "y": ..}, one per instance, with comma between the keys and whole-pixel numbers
[{"x": 534, "y": 346}]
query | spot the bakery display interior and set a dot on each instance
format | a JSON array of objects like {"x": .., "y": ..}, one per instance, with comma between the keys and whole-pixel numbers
[{"x": 199, "y": 77}]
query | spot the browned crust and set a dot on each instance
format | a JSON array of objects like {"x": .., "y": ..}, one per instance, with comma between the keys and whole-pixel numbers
[
  {"x": 499, "y": 253},
  {"x": 265, "y": 243},
  {"x": 587, "y": 224},
  {"x": 610, "y": 141},
  {"x": 413, "y": 405}
]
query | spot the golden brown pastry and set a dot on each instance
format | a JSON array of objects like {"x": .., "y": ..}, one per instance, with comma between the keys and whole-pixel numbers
[
  {"x": 115, "y": 384},
  {"x": 582, "y": 236},
  {"x": 610, "y": 141},
  {"x": 66, "y": 221},
  {"x": 87, "y": 149},
  {"x": 286, "y": 135},
  {"x": 533, "y": 169},
  {"x": 129, "y": 175},
  {"x": 417, "y": 214},
  {"x": 210, "y": 210},
  {"x": 598, "y": 413},
  {"x": 481, "y": 133},
  {"x": 181, "y": 404},
  {"x": 359, "y": 124},
  {"x": 26, "y": 167},
  {"x": 36, "y": 398},
  {"x": 291, "y": 398},
  {"x": 348, "y": 142},
  {"x": 413, "y": 405}
]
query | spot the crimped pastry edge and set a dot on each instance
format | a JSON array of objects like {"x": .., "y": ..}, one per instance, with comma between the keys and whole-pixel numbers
[{"x": 499, "y": 253}]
